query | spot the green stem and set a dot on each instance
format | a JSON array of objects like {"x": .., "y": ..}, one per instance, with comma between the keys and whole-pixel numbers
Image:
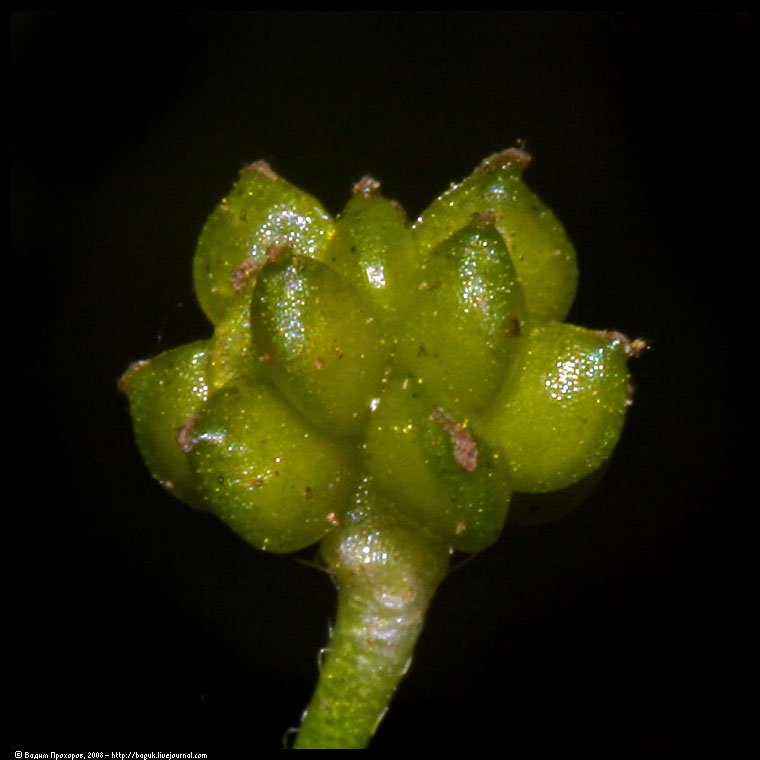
[{"x": 386, "y": 575}]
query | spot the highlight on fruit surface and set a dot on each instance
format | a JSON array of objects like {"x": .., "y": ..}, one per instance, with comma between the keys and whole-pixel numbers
[{"x": 383, "y": 386}]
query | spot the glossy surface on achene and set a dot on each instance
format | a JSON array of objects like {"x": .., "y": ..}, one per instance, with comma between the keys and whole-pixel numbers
[
  {"x": 541, "y": 251},
  {"x": 232, "y": 352},
  {"x": 435, "y": 471},
  {"x": 463, "y": 328},
  {"x": 273, "y": 477},
  {"x": 164, "y": 393},
  {"x": 261, "y": 211},
  {"x": 373, "y": 248},
  {"x": 319, "y": 342},
  {"x": 559, "y": 420}
]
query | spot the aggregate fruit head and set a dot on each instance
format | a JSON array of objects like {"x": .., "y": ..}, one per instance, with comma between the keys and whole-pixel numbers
[{"x": 381, "y": 387}]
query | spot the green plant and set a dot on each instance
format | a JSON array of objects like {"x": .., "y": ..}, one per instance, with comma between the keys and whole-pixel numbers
[{"x": 380, "y": 387}]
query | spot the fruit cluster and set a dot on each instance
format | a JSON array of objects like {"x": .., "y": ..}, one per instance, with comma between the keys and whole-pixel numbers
[{"x": 426, "y": 360}]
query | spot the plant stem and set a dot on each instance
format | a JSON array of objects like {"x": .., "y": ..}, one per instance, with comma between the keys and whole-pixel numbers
[{"x": 386, "y": 575}]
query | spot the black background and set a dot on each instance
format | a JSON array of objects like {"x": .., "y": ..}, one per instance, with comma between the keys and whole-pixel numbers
[{"x": 137, "y": 624}]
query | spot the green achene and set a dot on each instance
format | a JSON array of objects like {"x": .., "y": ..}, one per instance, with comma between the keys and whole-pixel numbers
[
  {"x": 164, "y": 394},
  {"x": 573, "y": 385},
  {"x": 540, "y": 249},
  {"x": 383, "y": 388},
  {"x": 374, "y": 249},
  {"x": 433, "y": 468},
  {"x": 277, "y": 480},
  {"x": 319, "y": 343},
  {"x": 464, "y": 326},
  {"x": 262, "y": 211}
]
